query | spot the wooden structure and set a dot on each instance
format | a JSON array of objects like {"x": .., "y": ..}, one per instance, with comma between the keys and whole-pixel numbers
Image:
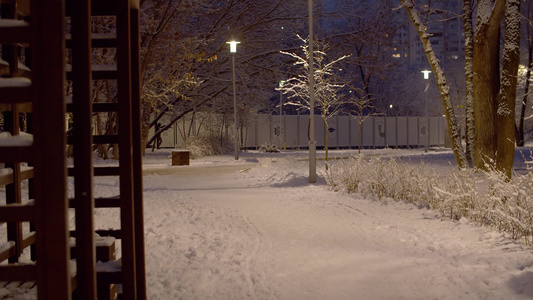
[
  {"x": 33, "y": 34},
  {"x": 180, "y": 157}
]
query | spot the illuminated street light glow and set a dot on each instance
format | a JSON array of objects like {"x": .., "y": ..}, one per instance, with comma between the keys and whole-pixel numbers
[
  {"x": 426, "y": 74},
  {"x": 233, "y": 46}
]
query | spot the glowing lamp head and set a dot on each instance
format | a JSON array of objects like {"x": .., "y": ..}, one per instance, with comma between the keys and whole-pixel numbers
[
  {"x": 233, "y": 46},
  {"x": 426, "y": 74}
]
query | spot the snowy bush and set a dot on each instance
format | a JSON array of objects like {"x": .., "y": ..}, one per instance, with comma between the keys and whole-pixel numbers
[
  {"x": 200, "y": 146},
  {"x": 486, "y": 198},
  {"x": 383, "y": 178}
]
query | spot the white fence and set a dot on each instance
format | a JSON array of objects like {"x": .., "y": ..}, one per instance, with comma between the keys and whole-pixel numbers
[{"x": 376, "y": 132}]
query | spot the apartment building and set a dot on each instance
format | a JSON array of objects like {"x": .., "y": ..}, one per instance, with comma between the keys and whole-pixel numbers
[{"x": 445, "y": 26}]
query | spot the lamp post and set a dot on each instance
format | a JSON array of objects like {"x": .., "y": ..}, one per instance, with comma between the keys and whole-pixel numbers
[
  {"x": 312, "y": 142},
  {"x": 426, "y": 77},
  {"x": 281, "y": 133},
  {"x": 233, "y": 50}
]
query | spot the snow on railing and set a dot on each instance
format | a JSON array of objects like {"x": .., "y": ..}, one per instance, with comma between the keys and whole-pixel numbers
[
  {"x": 20, "y": 140},
  {"x": 6, "y": 171},
  {"x": 15, "y": 82}
]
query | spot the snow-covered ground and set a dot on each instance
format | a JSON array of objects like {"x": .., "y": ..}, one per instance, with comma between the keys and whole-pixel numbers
[{"x": 255, "y": 229}]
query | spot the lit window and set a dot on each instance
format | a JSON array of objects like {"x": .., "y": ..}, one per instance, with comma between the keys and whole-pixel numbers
[{"x": 396, "y": 55}]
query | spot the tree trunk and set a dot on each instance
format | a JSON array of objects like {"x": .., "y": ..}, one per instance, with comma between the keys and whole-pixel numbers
[
  {"x": 520, "y": 138},
  {"x": 145, "y": 124},
  {"x": 507, "y": 95},
  {"x": 444, "y": 89},
  {"x": 360, "y": 133},
  {"x": 486, "y": 80},
  {"x": 469, "y": 80},
  {"x": 327, "y": 140}
]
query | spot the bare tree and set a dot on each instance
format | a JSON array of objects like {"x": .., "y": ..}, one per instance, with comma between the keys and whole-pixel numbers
[
  {"x": 186, "y": 66},
  {"x": 527, "y": 12},
  {"x": 328, "y": 99},
  {"x": 453, "y": 129},
  {"x": 493, "y": 85},
  {"x": 360, "y": 107}
]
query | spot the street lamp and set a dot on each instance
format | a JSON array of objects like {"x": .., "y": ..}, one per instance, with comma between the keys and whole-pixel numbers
[
  {"x": 312, "y": 142},
  {"x": 281, "y": 133},
  {"x": 233, "y": 50},
  {"x": 426, "y": 77}
]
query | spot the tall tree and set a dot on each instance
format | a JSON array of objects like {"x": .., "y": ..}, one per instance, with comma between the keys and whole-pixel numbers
[
  {"x": 494, "y": 86},
  {"x": 506, "y": 99},
  {"x": 527, "y": 12},
  {"x": 469, "y": 81},
  {"x": 453, "y": 129}
]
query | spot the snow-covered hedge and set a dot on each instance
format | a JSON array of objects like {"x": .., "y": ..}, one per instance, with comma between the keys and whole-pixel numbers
[{"x": 488, "y": 199}]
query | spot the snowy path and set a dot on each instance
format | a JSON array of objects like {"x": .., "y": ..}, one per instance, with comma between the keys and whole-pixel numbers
[{"x": 259, "y": 231}]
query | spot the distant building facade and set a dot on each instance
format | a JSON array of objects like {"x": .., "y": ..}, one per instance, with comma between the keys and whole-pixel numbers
[{"x": 445, "y": 27}]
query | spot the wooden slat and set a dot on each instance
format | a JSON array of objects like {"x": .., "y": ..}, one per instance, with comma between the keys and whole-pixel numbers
[
  {"x": 54, "y": 276},
  {"x": 97, "y": 139},
  {"x": 100, "y": 72},
  {"x": 100, "y": 171},
  {"x": 29, "y": 239},
  {"x": 22, "y": 107},
  {"x": 18, "y": 273},
  {"x": 137, "y": 152},
  {"x": 15, "y": 90},
  {"x": 105, "y": 107},
  {"x": 26, "y": 174},
  {"x": 106, "y": 171},
  {"x": 8, "y": 250},
  {"x": 14, "y": 31},
  {"x": 98, "y": 41},
  {"x": 6, "y": 179},
  {"x": 16, "y": 154},
  {"x": 17, "y": 213},
  {"x": 23, "y": 6},
  {"x": 116, "y": 233},
  {"x": 124, "y": 92},
  {"x": 97, "y": 107},
  {"x": 99, "y": 7},
  {"x": 83, "y": 143},
  {"x": 110, "y": 202},
  {"x": 104, "y": 202},
  {"x": 106, "y": 278}
]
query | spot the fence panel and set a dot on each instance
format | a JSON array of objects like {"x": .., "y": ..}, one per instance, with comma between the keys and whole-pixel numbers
[
  {"x": 291, "y": 131},
  {"x": 367, "y": 132},
  {"x": 263, "y": 130},
  {"x": 379, "y": 132},
  {"x": 251, "y": 133},
  {"x": 391, "y": 132},
  {"x": 344, "y": 131},
  {"x": 333, "y": 131},
  {"x": 434, "y": 131},
  {"x": 402, "y": 132},
  {"x": 319, "y": 132}
]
